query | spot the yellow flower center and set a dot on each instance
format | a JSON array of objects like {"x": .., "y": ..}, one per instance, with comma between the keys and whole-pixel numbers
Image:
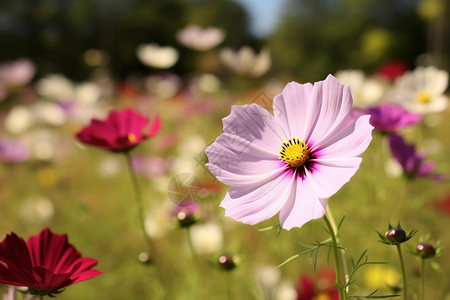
[
  {"x": 294, "y": 152},
  {"x": 423, "y": 97},
  {"x": 322, "y": 296},
  {"x": 131, "y": 138}
]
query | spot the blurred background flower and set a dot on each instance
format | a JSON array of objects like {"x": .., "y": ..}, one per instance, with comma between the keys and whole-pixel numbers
[{"x": 200, "y": 39}]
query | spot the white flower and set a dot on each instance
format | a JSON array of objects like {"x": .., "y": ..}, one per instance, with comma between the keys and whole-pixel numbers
[
  {"x": 200, "y": 39},
  {"x": 87, "y": 93},
  {"x": 286, "y": 291},
  {"x": 55, "y": 87},
  {"x": 365, "y": 91},
  {"x": 392, "y": 168},
  {"x": 267, "y": 277},
  {"x": 37, "y": 209},
  {"x": 157, "y": 222},
  {"x": 153, "y": 55},
  {"x": 109, "y": 166},
  {"x": 245, "y": 61},
  {"x": 422, "y": 90},
  {"x": 49, "y": 113},
  {"x": 206, "y": 238},
  {"x": 163, "y": 86},
  {"x": 208, "y": 83},
  {"x": 18, "y": 120}
]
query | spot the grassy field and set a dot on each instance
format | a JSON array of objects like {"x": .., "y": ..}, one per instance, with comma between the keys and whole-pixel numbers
[{"x": 90, "y": 197}]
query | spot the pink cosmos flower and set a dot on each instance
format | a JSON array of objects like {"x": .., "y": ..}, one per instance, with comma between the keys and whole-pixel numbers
[
  {"x": 292, "y": 161},
  {"x": 390, "y": 117},
  {"x": 412, "y": 162},
  {"x": 121, "y": 131},
  {"x": 17, "y": 73},
  {"x": 45, "y": 264}
]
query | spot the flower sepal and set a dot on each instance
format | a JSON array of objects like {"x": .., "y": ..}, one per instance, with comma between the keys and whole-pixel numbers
[
  {"x": 426, "y": 249},
  {"x": 395, "y": 235},
  {"x": 51, "y": 294}
]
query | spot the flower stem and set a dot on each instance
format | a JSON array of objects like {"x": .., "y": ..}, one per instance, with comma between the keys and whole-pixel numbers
[
  {"x": 197, "y": 265},
  {"x": 341, "y": 249},
  {"x": 402, "y": 266},
  {"x": 342, "y": 295},
  {"x": 140, "y": 205},
  {"x": 422, "y": 279}
]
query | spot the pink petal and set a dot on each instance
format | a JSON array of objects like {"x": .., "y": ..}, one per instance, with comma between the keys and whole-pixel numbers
[
  {"x": 235, "y": 161},
  {"x": 349, "y": 142},
  {"x": 330, "y": 105},
  {"x": 291, "y": 109},
  {"x": 257, "y": 203},
  {"x": 155, "y": 127},
  {"x": 255, "y": 125},
  {"x": 330, "y": 175},
  {"x": 302, "y": 206}
]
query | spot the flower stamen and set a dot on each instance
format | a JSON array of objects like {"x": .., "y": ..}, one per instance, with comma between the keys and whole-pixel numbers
[
  {"x": 423, "y": 97},
  {"x": 294, "y": 152},
  {"x": 131, "y": 138}
]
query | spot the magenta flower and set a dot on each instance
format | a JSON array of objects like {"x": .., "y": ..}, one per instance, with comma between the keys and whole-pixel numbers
[
  {"x": 45, "y": 264},
  {"x": 121, "y": 131},
  {"x": 390, "y": 117},
  {"x": 12, "y": 151},
  {"x": 412, "y": 163},
  {"x": 292, "y": 161}
]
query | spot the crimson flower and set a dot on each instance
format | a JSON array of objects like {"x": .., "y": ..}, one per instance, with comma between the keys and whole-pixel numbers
[
  {"x": 121, "y": 131},
  {"x": 323, "y": 286},
  {"x": 45, "y": 264},
  {"x": 392, "y": 70}
]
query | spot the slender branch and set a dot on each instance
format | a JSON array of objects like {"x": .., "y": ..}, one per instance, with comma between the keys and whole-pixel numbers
[{"x": 336, "y": 259}]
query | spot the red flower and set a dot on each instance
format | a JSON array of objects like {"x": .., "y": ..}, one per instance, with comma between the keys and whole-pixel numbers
[
  {"x": 323, "y": 286},
  {"x": 121, "y": 131},
  {"x": 45, "y": 264},
  {"x": 392, "y": 70}
]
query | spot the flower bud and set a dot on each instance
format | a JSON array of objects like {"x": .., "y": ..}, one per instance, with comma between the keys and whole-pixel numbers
[
  {"x": 425, "y": 250},
  {"x": 145, "y": 258},
  {"x": 226, "y": 262},
  {"x": 396, "y": 235}
]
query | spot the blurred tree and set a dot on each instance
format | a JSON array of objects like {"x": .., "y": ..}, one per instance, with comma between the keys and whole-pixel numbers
[
  {"x": 56, "y": 33},
  {"x": 317, "y": 37}
]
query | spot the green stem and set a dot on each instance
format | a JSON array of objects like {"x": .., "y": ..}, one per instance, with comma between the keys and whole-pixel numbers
[
  {"x": 197, "y": 266},
  {"x": 140, "y": 206},
  {"x": 422, "y": 279},
  {"x": 342, "y": 295},
  {"x": 402, "y": 266},
  {"x": 341, "y": 249}
]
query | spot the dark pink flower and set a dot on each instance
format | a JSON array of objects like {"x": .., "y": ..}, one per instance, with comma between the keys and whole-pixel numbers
[
  {"x": 392, "y": 70},
  {"x": 412, "y": 162},
  {"x": 322, "y": 286},
  {"x": 121, "y": 131},
  {"x": 45, "y": 264},
  {"x": 390, "y": 117}
]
